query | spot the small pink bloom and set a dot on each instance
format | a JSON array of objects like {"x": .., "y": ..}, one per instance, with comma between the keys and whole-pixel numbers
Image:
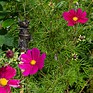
[
  {"x": 6, "y": 79},
  {"x": 75, "y": 16},
  {"x": 32, "y": 61},
  {"x": 9, "y": 54}
]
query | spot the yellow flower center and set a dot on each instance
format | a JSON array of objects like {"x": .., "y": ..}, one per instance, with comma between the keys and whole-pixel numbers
[
  {"x": 75, "y": 18},
  {"x": 33, "y": 62},
  {"x": 3, "y": 82}
]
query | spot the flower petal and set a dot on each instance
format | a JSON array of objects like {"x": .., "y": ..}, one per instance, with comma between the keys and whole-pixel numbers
[
  {"x": 70, "y": 23},
  {"x": 29, "y": 53},
  {"x": 84, "y": 14},
  {"x": 2, "y": 71},
  {"x": 7, "y": 72},
  {"x": 2, "y": 90},
  {"x": 25, "y": 58},
  {"x": 26, "y": 68},
  {"x": 14, "y": 83},
  {"x": 83, "y": 20},
  {"x": 35, "y": 53},
  {"x": 23, "y": 66},
  {"x": 66, "y": 16},
  {"x": 8, "y": 89},
  {"x": 79, "y": 12},
  {"x": 33, "y": 70},
  {"x": 72, "y": 12},
  {"x": 5, "y": 89},
  {"x": 10, "y": 72},
  {"x": 40, "y": 62}
]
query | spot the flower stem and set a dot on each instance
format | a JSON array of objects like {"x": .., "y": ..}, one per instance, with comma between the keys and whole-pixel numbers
[
  {"x": 22, "y": 90},
  {"x": 75, "y": 33},
  {"x": 75, "y": 28},
  {"x": 85, "y": 85},
  {"x": 70, "y": 3}
]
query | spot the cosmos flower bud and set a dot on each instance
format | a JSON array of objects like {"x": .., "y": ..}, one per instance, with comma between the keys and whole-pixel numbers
[
  {"x": 9, "y": 54},
  {"x": 81, "y": 37},
  {"x": 74, "y": 56}
]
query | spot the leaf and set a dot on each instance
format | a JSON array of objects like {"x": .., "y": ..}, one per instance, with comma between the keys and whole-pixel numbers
[
  {"x": 60, "y": 4},
  {"x": 5, "y": 0},
  {"x": 1, "y": 8},
  {"x": 33, "y": 2},
  {"x": 8, "y": 41},
  {"x": 75, "y": 1},
  {"x": 3, "y": 31},
  {"x": 7, "y": 23},
  {"x": 3, "y": 14},
  {"x": 18, "y": 0},
  {"x": 2, "y": 40}
]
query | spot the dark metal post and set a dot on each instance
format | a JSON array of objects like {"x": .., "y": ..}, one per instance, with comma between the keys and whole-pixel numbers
[{"x": 24, "y": 35}]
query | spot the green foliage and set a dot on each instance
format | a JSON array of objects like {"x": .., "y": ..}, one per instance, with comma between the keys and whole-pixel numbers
[
  {"x": 7, "y": 23},
  {"x": 6, "y": 40},
  {"x": 50, "y": 33}
]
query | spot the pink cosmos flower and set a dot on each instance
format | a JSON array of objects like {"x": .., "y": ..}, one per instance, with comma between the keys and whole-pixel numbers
[
  {"x": 32, "y": 61},
  {"x": 6, "y": 79},
  {"x": 75, "y": 16}
]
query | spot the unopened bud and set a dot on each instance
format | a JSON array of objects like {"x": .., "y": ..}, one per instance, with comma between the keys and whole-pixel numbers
[{"x": 9, "y": 54}]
